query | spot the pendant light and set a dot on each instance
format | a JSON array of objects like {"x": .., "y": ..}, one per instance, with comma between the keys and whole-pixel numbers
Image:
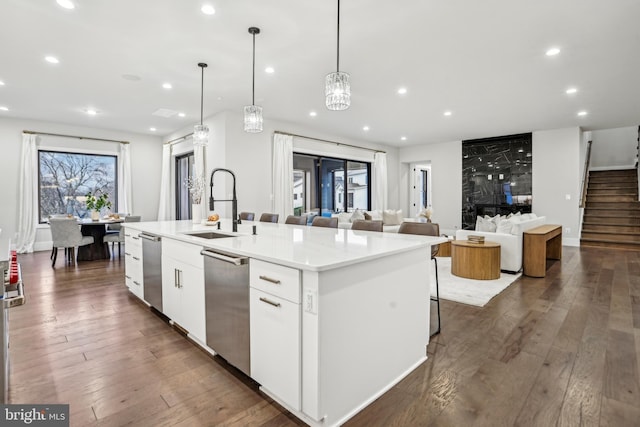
[
  {"x": 253, "y": 113},
  {"x": 337, "y": 86},
  {"x": 201, "y": 132}
]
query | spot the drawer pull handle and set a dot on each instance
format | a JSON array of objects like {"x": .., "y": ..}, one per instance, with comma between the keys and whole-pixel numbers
[
  {"x": 136, "y": 258},
  {"x": 135, "y": 238},
  {"x": 127, "y": 254},
  {"x": 136, "y": 283},
  {"x": 128, "y": 277},
  {"x": 275, "y": 304},
  {"x": 269, "y": 279}
]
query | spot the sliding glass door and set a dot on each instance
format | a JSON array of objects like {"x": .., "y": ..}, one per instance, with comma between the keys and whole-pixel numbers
[
  {"x": 326, "y": 185},
  {"x": 184, "y": 170}
]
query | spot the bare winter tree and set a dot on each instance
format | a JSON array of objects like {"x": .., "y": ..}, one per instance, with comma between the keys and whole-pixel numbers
[{"x": 65, "y": 179}]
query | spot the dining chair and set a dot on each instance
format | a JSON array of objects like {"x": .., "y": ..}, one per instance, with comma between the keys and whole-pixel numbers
[
  {"x": 426, "y": 229},
  {"x": 296, "y": 220},
  {"x": 323, "y": 221},
  {"x": 65, "y": 233},
  {"x": 248, "y": 216},
  {"x": 115, "y": 227},
  {"x": 366, "y": 225},
  {"x": 119, "y": 237},
  {"x": 269, "y": 217}
]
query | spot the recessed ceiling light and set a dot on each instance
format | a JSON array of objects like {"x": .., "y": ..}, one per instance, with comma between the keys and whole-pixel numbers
[
  {"x": 553, "y": 51},
  {"x": 403, "y": 138},
  {"x": 520, "y": 151},
  {"x": 365, "y": 128},
  {"x": 1, "y": 83},
  {"x": 402, "y": 91},
  {"x": 167, "y": 85},
  {"x": 582, "y": 113},
  {"x": 181, "y": 114},
  {"x": 91, "y": 111},
  {"x": 152, "y": 129},
  {"x": 571, "y": 90},
  {"x": 67, "y": 4},
  {"x": 269, "y": 70},
  {"x": 51, "y": 59},
  {"x": 313, "y": 113},
  {"x": 3, "y": 108},
  {"x": 207, "y": 9},
  {"x": 447, "y": 113}
]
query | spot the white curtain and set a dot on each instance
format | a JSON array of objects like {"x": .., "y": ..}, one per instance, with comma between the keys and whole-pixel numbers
[
  {"x": 199, "y": 170},
  {"x": 379, "y": 201},
  {"x": 27, "y": 204},
  {"x": 282, "y": 173},
  {"x": 124, "y": 185},
  {"x": 164, "y": 207}
]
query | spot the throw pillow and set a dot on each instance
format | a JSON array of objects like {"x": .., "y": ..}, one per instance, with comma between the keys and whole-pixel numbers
[
  {"x": 505, "y": 226},
  {"x": 483, "y": 224},
  {"x": 367, "y": 216},
  {"x": 344, "y": 217},
  {"x": 391, "y": 217},
  {"x": 374, "y": 215},
  {"x": 357, "y": 214}
]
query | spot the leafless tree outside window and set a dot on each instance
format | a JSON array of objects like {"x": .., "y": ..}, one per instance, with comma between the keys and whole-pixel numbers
[{"x": 66, "y": 178}]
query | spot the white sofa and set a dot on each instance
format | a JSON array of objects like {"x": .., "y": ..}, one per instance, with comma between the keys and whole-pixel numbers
[
  {"x": 391, "y": 219},
  {"x": 510, "y": 243}
]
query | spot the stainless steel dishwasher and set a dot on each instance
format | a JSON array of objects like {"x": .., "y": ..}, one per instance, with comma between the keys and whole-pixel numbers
[
  {"x": 226, "y": 289},
  {"x": 152, "y": 269}
]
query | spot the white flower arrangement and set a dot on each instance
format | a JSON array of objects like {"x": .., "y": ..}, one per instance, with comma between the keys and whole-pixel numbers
[
  {"x": 195, "y": 184},
  {"x": 427, "y": 213}
]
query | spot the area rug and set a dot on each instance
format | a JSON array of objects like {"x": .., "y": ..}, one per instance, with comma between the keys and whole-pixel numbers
[{"x": 468, "y": 291}]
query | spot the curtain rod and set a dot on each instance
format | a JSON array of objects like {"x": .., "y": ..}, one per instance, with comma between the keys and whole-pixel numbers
[
  {"x": 31, "y": 132},
  {"x": 176, "y": 140},
  {"x": 329, "y": 142}
]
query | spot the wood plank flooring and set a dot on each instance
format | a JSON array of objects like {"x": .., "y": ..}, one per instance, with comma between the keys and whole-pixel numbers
[{"x": 561, "y": 350}]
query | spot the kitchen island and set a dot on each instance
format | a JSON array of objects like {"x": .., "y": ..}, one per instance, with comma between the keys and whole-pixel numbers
[{"x": 337, "y": 316}]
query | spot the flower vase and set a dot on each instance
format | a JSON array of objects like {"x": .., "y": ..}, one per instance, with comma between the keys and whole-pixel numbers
[
  {"x": 95, "y": 215},
  {"x": 196, "y": 213}
]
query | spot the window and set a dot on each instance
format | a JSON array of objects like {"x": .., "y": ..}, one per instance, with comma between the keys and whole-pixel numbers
[
  {"x": 322, "y": 184},
  {"x": 65, "y": 178},
  {"x": 184, "y": 169}
]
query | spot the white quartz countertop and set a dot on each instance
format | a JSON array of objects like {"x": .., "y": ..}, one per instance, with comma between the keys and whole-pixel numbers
[{"x": 303, "y": 247}]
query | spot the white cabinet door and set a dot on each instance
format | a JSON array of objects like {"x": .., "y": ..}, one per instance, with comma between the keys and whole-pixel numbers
[
  {"x": 183, "y": 296},
  {"x": 171, "y": 294},
  {"x": 192, "y": 312},
  {"x": 275, "y": 346}
]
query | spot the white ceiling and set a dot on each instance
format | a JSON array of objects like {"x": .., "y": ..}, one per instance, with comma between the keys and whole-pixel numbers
[{"x": 483, "y": 60}]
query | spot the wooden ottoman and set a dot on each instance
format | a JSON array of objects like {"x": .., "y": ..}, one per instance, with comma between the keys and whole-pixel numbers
[{"x": 479, "y": 261}]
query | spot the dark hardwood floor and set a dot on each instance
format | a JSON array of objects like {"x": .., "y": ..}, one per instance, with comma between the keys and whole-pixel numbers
[{"x": 562, "y": 350}]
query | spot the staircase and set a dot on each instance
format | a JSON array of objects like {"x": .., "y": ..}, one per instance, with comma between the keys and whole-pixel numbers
[{"x": 612, "y": 211}]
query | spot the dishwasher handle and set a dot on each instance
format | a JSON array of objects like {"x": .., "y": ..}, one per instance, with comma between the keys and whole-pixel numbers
[
  {"x": 150, "y": 237},
  {"x": 236, "y": 260}
]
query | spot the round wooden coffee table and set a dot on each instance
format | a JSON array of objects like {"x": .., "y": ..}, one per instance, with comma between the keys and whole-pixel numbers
[{"x": 479, "y": 261}]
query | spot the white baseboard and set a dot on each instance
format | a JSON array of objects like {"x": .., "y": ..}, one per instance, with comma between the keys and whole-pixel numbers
[
  {"x": 571, "y": 241},
  {"x": 42, "y": 246},
  {"x": 610, "y": 168}
]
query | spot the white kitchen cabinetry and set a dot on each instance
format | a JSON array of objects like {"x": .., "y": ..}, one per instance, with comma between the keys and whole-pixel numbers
[
  {"x": 275, "y": 330},
  {"x": 133, "y": 263},
  {"x": 183, "y": 287}
]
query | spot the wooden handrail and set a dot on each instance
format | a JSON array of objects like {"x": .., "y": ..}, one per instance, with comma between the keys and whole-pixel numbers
[{"x": 585, "y": 179}]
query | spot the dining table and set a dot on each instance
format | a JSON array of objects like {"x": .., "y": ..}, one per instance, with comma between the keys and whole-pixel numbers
[{"x": 97, "y": 229}]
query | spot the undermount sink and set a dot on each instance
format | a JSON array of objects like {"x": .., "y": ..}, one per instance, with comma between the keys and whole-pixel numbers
[{"x": 210, "y": 235}]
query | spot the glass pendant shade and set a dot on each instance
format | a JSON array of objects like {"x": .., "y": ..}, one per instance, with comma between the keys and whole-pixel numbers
[
  {"x": 252, "y": 119},
  {"x": 201, "y": 135},
  {"x": 338, "y": 91}
]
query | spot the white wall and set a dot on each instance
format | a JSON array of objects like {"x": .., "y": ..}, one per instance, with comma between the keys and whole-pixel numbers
[
  {"x": 446, "y": 181},
  {"x": 249, "y": 156},
  {"x": 614, "y": 148},
  {"x": 556, "y": 180},
  {"x": 146, "y": 154}
]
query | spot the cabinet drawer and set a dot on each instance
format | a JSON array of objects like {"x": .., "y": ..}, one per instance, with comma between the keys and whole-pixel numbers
[
  {"x": 275, "y": 279},
  {"x": 275, "y": 346},
  {"x": 185, "y": 252}
]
